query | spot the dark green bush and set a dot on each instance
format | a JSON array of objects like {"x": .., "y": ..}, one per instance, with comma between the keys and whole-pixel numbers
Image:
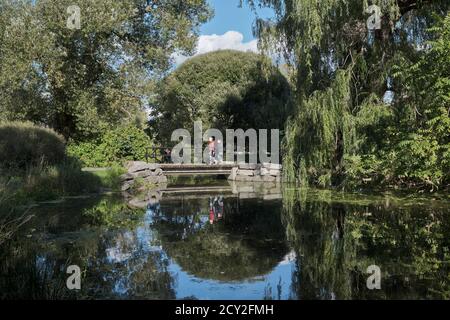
[
  {"x": 115, "y": 146},
  {"x": 25, "y": 144}
]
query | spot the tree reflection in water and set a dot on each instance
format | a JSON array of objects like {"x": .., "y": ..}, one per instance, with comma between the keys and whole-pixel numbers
[
  {"x": 107, "y": 240},
  {"x": 336, "y": 237},
  {"x": 309, "y": 245},
  {"x": 247, "y": 242}
]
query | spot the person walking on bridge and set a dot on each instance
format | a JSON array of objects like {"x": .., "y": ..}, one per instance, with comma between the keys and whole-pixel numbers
[{"x": 212, "y": 150}]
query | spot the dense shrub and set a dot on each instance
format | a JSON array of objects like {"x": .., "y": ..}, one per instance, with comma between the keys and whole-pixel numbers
[
  {"x": 25, "y": 144},
  {"x": 115, "y": 146}
]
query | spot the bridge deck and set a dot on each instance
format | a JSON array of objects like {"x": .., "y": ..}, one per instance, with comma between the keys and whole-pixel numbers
[{"x": 196, "y": 169}]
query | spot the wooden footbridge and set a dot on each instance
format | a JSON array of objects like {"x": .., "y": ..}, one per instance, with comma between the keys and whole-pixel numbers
[{"x": 155, "y": 173}]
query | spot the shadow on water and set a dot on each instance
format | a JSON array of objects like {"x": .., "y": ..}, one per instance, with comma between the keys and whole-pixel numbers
[{"x": 237, "y": 242}]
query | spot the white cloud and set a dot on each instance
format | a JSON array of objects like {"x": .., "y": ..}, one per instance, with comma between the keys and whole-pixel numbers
[{"x": 230, "y": 40}]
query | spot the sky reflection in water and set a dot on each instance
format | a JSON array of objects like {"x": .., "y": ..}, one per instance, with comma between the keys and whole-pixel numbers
[{"x": 305, "y": 245}]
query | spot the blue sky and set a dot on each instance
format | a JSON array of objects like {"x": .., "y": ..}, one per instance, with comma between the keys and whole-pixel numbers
[
  {"x": 228, "y": 16},
  {"x": 230, "y": 28}
]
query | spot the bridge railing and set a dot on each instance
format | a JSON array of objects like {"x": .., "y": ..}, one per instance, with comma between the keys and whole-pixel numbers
[
  {"x": 163, "y": 154},
  {"x": 158, "y": 154}
]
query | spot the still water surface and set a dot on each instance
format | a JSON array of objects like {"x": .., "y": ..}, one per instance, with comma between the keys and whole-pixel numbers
[{"x": 238, "y": 242}]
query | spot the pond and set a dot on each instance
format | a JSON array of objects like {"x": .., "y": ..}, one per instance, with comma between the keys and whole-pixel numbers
[{"x": 232, "y": 241}]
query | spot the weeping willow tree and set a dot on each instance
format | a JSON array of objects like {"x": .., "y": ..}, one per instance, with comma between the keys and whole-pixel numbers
[{"x": 346, "y": 90}]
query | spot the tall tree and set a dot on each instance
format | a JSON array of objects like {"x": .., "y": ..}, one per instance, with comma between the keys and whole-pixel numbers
[
  {"x": 344, "y": 129},
  {"x": 82, "y": 80},
  {"x": 225, "y": 90}
]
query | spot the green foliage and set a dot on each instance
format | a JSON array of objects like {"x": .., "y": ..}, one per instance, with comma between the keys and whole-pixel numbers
[
  {"x": 318, "y": 134},
  {"x": 115, "y": 146},
  {"x": 110, "y": 178},
  {"x": 408, "y": 144},
  {"x": 80, "y": 82},
  {"x": 344, "y": 134},
  {"x": 112, "y": 214},
  {"x": 34, "y": 166},
  {"x": 424, "y": 139},
  {"x": 43, "y": 182},
  {"x": 24, "y": 144},
  {"x": 89, "y": 153},
  {"x": 19, "y": 188},
  {"x": 226, "y": 90},
  {"x": 126, "y": 143}
]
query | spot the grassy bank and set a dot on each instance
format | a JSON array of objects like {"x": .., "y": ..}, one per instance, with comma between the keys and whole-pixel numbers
[{"x": 46, "y": 183}]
